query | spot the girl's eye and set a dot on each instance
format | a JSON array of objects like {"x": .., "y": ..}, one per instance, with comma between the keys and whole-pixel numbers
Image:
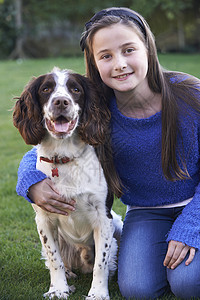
[
  {"x": 129, "y": 50},
  {"x": 106, "y": 56}
]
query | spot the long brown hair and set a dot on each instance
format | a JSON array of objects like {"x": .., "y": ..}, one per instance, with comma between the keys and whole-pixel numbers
[{"x": 159, "y": 81}]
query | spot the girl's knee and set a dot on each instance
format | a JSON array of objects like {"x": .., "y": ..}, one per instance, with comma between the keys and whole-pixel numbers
[
  {"x": 184, "y": 286},
  {"x": 139, "y": 290},
  {"x": 185, "y": 290}
]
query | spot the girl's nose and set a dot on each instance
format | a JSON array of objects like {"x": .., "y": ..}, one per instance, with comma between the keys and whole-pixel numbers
[{"x": 120, "y": 63}]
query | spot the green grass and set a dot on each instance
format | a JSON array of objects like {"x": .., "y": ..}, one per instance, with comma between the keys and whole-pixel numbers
[{"x": 22, "y": 273}]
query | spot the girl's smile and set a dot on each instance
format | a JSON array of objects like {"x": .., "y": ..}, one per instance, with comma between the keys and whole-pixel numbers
[{"x": 123, "y": 76}]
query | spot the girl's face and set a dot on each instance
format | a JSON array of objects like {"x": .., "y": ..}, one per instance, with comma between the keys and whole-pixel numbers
[{"x": 121, "y": 58}]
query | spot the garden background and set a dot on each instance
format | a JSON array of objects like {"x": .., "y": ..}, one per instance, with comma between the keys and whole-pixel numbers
[{"x": 25, "y": 27}]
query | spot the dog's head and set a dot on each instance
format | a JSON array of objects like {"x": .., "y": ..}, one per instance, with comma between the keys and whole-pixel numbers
[{"x": 56, "y": 103}]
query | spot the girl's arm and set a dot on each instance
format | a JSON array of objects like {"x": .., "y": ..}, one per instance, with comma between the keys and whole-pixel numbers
[
  {"x": 34, "y": 186},
  {"x": 28, "y": 174},
  {"x": 176, "y": 253},
  {"x": 186, "y": 228},
  {"x": 184, "y": 237}
]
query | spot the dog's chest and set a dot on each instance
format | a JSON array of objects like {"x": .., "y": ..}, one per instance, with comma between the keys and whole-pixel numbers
[
  {"x": 80, "y": 175},
  {"x": 83, "y": 180}
]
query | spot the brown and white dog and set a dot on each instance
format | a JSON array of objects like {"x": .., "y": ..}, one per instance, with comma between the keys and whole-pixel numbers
[{"x": 59, "y": 112}]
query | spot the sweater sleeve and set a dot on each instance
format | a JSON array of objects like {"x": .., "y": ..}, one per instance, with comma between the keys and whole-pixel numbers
[
  {"x": 186, "y": 228},
  {"x": 28, "y": 174}
]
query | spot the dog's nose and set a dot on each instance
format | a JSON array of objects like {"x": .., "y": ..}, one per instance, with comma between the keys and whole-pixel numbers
[{"x": 61, "y": 103}]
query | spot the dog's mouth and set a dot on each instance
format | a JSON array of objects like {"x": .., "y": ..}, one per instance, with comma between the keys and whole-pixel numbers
[{"x": 61, "y": 125}]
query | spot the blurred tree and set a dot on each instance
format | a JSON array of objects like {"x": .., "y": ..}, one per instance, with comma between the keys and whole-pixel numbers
[
  {"x": 174, "y": 11},
  {"x": 18, "y": 51},
  {"x": 7, "y": 28},
  {"x": 29, "y": 13},
  {"x": 22, "y": 21}
]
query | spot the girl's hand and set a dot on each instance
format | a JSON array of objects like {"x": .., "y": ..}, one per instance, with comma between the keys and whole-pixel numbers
[
  {"x": 176, "y": 253},
  {"x": 45, "y": 195}
]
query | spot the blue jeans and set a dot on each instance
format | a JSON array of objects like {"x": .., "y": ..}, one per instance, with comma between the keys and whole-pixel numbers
[{"x": 143, "y": 247}]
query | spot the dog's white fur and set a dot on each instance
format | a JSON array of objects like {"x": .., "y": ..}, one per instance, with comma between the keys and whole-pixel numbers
[{"x": 69, "y": 241}]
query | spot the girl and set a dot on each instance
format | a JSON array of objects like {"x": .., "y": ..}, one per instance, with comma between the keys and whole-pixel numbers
[{"x": 155, "y": 141}]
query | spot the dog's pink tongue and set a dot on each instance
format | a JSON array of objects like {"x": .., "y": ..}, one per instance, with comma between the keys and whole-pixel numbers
[{"x": 61, "y": 126}]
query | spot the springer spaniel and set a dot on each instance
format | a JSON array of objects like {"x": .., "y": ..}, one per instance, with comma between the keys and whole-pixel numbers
[{"x": 62, "y": 113}]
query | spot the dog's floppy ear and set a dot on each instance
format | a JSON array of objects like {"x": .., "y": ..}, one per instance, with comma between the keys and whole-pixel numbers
[
  {"x": 95, "y": 116},
  {"x": 27, "y": 115}
]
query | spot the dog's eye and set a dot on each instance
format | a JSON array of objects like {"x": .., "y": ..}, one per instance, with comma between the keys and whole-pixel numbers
[
  {"x": 75, "y": 90},
  {"x": 46, "y": 89}
]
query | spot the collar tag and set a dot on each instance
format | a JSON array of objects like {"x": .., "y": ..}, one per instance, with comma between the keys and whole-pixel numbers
[{"x": 55, "y": 172}]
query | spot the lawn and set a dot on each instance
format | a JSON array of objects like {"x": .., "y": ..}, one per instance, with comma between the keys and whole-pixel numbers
[{"x": 22, "y": 274}]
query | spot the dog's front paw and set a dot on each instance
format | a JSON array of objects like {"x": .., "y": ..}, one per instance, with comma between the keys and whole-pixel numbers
[
  {"x": 57, "y": 293},
  {"x": 97, "y": 295},
  {"x": 94, "y": 297}
]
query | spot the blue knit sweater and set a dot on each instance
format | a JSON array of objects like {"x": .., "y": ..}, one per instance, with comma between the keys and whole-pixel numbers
[{"x": 137, "y": 155}]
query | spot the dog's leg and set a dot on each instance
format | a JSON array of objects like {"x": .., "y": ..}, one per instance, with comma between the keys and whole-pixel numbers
[
  {"x": 105, "y": 252},
  {"x": 49, "y": 239},
  {"x": 118, "y": 225}
]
